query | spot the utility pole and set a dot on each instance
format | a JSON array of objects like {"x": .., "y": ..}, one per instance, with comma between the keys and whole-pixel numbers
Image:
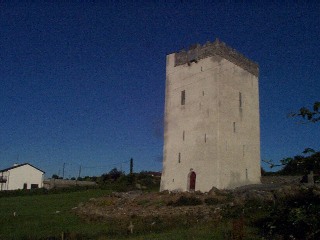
[
  {"x": 131, "y": 166},
  {"x": 131, "y": 176},
  {"x": 79, "y": 171},
  {"x": 64, "y": 164}
]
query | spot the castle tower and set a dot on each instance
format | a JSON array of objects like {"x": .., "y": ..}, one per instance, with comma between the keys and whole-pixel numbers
[{"x": 212, "y": 129}]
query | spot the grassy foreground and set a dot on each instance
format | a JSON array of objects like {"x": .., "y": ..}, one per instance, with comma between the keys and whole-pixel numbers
[
  {"x": 43, "y": 216},
  {"x": 47, "y": 216}
]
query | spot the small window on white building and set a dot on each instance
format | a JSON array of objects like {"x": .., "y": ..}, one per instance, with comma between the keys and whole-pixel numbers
[
  {"x": 240, "y": 100},
  {"x": 34, "y": 186},
  {"x": 183, "y": 134},
  {"x": 234, "y": 127},
  {"x": 179, "y": 158}
]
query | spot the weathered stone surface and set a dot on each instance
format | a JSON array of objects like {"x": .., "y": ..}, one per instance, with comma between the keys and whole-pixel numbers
[
  {"x": 212, "y": 130},
  {"x": 198, "y": 52}
]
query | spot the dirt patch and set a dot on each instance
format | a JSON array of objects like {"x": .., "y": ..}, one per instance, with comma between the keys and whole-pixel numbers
[
  {"x": 205, "y": 205},
  {"x": 138, "y": 204}
]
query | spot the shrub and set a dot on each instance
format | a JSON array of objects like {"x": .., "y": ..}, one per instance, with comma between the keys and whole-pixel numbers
[{"x": 295, "y": 217}]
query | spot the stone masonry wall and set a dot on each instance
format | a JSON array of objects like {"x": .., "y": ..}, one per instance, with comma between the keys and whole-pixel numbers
[
  {"x": 198, "y": 52},
  {"x": 62, "y": 183}
]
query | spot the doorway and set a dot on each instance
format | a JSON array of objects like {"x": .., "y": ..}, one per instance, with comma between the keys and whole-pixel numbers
[{"x": 192, "y": 181}]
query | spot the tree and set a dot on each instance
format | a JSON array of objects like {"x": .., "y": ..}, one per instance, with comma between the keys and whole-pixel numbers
[
  {"x": 298, "y": 164},
  {"x": 308, "y": 151},
  {"x": 311, "y": 115},
  {"x": 55, "y": 176},
  {"x": 283, "y": 162},
  {"x": 115, "y": 174}
]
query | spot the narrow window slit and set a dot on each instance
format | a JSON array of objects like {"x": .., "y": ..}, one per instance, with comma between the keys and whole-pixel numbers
[{"x": 183, "y": 97}]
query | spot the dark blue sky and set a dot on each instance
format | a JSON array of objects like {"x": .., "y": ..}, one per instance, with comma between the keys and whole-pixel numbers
[{"x": 83, "y": 82}]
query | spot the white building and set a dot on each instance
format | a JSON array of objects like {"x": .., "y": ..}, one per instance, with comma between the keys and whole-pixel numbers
[
  {"x": 21, "y": 176},
  {"x": 212, "y": 128}
]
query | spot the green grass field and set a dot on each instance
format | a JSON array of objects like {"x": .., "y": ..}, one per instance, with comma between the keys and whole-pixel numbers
[
  {"x": 41, "y": 216},
  {"x": 49, "y": 215}
]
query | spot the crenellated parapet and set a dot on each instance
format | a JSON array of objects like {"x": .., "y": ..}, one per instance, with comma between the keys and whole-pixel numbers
[{"x": 197, "y": 52}]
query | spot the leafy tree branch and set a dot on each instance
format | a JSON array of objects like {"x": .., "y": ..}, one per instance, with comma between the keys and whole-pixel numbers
[{"x": 309, "y": 114}]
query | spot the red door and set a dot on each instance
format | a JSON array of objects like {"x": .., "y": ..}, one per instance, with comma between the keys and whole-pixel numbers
[{"x": 192, "y": 181}]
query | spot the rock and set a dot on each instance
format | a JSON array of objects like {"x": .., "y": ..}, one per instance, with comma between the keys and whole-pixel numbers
[
  {"x": 215, "y": 191},
  {"x": 130, "y": 194},
  {"x": 134, "y": 193},
  {"x": 130, "y": 228},
  {"x": 165, "y": 192}
]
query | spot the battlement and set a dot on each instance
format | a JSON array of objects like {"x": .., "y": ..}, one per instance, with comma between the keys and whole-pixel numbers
[{"x": 198, "y": 52}]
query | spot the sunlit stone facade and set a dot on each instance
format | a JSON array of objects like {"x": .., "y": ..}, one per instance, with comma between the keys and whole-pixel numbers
[{"x": 212, "y": 129}]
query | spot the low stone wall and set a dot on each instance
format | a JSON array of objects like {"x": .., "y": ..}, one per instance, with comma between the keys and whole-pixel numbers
[
  {"x": 61, "y": 183},
  {"x": 280, "y": 179}
]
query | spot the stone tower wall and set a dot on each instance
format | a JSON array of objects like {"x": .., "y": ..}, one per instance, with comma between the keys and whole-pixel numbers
[{"x": 215, "y": 132}]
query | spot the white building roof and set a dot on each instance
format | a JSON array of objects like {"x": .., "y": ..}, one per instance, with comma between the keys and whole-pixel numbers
[{"x": 20, "y": 165}]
